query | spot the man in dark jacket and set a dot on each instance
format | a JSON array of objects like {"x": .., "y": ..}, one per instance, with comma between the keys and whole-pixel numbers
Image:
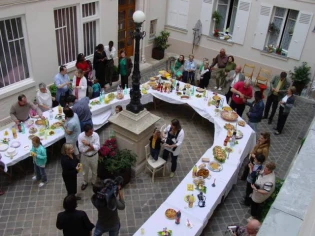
[
  {"x": 256, "y": 111},
  {"x": 107, "y": 205}
]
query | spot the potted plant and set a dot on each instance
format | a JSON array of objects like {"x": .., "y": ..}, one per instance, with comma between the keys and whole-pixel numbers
[
  {"x": 160, "y": 44},
  {"x": 115, "y": 74},
  {"x": 301, "y": 76},
  {"x": 53, "y": 89},
  {"x": 279, "y": 50},
  {"x": 290, "y": 32},
  {"x": 273, "y": 29},
  {"x": 270, "y": 48},
  {"x": 113, "y": 162},
  {"x": 216, "y": 33},
  {"x": 216, "y": 17}
]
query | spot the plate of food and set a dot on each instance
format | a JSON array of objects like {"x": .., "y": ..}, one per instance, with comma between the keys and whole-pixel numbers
[
  {"x": 239, "y": 134},
  {"x": 152, "y": 79},
  {"x": 228, "y": 149},
  {"x": 219, "y": 154},
  {"x": 40, "y": 122},
  {"x": 198, "y": 95},
  {"x": 170, "y": 214},
  {"x": 216, "y": 97},
  {"x": 200, "y": 90},
  {"x": 187, "y": 86},
  {"x": 15, "y": 144},
  {"x": 60, "y": 117},
  {"x": 226, "y": 108},
  {"x": 184, "y": 97},
  {"x": 5, "y": 140},
  {"x": 203, "y": 173},
  {"x": 190, "y": 187},
  {"x": 120, "y": 96},
  {"x": 215, "y": 166},
  {"x": 229, "y": 126},
  {"x": 202, "y": 166},
  {"x": 56, "y": 125},
  {"x": 241, "y": 123},
  {"x": 95, "y": 102},
  {"x": 51, "y": 132},
  {"x": 3, "y": 147},
  {"x": 32, "y": 130},
  {"x": 229, "y": 116},
  {"x": 31, "y": 136},
  {"x": 186, "y": 198},
  {"x": 178, "y": 93},
  {"x": 199, "y": 181}
]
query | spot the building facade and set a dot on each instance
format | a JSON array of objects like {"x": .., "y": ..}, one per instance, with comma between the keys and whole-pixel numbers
[{"x": 37, "y": 36}]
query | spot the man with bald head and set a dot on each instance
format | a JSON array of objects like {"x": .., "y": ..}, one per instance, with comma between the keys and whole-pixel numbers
[
  {"x": 221, "y": 60},
  {"x": 242, "y": 91},
  {"x": 251, "y": 229},
  {"x": 233, "y": 77}
]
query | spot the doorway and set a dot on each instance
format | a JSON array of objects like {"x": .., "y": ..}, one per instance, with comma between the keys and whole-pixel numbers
[{"x": 126, "y": 27}]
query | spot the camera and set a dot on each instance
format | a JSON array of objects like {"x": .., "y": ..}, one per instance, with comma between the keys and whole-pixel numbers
[{"x": 231, "y": 229}]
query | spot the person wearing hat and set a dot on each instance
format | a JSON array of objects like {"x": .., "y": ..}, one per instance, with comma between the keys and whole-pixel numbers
[{"x": 278, "y": 88}]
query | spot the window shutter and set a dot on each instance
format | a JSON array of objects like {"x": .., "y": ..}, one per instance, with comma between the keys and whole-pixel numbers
[
  {"x": 299, "y": 36},
  {"x": 262, "y": 26},
  {"x": 241, "y": 20},
  {"x": 205, "y": 16},
  {"x": 172, "y": 13},
  {"x": 183, "y": 9}
]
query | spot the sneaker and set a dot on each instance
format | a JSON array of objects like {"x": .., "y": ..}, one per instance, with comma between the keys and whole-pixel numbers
[
  {"x": 172, "y": 174},
  {"x": 42, "y": 184},
  {"x": 215, "y": 87},
  {"x": 34, "y": 178},
  {"x": 220, "y": 89}
]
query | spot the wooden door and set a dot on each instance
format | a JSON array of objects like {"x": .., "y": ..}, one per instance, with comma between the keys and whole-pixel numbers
[{"x": 126, "y": 8}]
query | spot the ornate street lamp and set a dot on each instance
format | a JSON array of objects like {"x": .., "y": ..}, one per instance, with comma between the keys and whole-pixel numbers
[{"x": 135, "y": 105}]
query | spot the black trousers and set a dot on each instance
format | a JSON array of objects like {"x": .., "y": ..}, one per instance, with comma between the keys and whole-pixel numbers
[
  {"x": 189, "y": 77},
  {"x": 228, "y": 95},
  {"x": 204, "y": 83},
  {"x": 71, "y": 183},
  {"x": 246, "y": 169},
  {"x": 248, "y": 192},
  {"x": 124, "y": 81},
  {"x": 282, "y": 118},
  {"x": 272, "y": 100},
  {"x": 166, "y": 154},
  {"x": 255, "y": 209},
  {"x": 239, "y": 108}
]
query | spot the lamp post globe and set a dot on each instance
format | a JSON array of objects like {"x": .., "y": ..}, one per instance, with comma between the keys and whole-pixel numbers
[{"x": 135, "y": 105}]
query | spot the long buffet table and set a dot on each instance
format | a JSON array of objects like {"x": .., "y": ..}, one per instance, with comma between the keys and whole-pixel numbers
[{"x": 224, "y": 179}]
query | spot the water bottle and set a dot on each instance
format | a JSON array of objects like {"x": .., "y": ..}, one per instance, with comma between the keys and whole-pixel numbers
[
  {"x": 118, "y": 89},
  {"x": 177, "y": 219},
  {"x": 233, "y": 138},
  {"x": 125, "y": 90},
  {"x": 22, "y": 128},
  {"x": 51, "y": 114},
  {"x": 193, "y": 91},
  {"x": 101, "y": 95}
]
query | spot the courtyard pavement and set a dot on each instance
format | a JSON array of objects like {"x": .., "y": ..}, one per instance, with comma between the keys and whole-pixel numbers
[{"x": 27, "y": 210}]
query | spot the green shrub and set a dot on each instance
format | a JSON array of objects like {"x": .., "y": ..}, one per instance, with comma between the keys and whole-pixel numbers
[{"x": 53, "y": 90}]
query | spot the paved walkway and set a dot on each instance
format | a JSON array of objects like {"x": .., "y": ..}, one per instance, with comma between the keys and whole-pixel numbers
[{"x": 27, "y": 210}]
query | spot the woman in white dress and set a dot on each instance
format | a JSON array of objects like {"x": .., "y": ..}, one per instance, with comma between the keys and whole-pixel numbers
[{"x": 79, "y": 84}]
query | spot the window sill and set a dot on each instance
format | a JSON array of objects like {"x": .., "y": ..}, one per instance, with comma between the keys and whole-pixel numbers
[
  {"x": 180, "y": 30},
  {"x": 16, "y": 88},
  {"x": 218, "y": 40},
  {"x": 274, "y": 55}
]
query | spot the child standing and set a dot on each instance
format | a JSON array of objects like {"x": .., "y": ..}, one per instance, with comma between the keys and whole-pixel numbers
[
  {"x": 38, "y": 152},
  {"x": 96, "y": 88},
  {"x": 155, "y": 144}
]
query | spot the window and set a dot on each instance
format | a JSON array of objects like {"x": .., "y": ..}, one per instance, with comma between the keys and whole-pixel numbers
[
  {"x": 13, "y": 59},
  {"x": 227, "y": 9},
  {"x": 66, "y": 34},
  {"x": 153, "y": 28},
  {"x": 283, "y": 23},
  {"x": 177, "y": 15},
  {"x": 68, "y": 21}
]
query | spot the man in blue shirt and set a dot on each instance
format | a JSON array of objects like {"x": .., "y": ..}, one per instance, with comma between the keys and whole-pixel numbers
[
  {"x": 63, "y": 85},
  {"x": 256, "y": 111},
  {"x": 82, "y": 109},
  {"x": 189, "y": 70}
]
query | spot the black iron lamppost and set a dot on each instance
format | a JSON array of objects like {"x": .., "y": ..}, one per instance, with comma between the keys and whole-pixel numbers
[{"x": 135, "y": 105}]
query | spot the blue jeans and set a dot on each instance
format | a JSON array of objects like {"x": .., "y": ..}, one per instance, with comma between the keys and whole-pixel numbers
[
  {"x": 114, "y": 231},
  {"x": 253, "y": 125},
  {"x": 83, "y": 123},
  {"x": 155, "y": 153},
  {"x": 40, "y": 173}
]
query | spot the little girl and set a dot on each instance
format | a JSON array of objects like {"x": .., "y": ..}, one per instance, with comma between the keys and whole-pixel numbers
[
  {"x": 38, "y": 152},
  {"x": 155, "y": 144},
  {"x": 96, "y": 89}
]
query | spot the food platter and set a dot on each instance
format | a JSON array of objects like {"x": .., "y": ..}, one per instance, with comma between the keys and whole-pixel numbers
[
  {"x": 198, "y": 95},
  {"x": 226, "y": 108},
  {"x": 95, "y": 102},
  {"x": 184, "y": 97},
  {"x": 178, "y": 93},
  {"x": 241, "y": 123},
  {"x": 215, "y": 166},
  {"x": 203, "y": 173},
  {"x": 219, "y": 154},
  {"x": 200, "y": 90},
  {"x": 170, "y": 214},
  {"x": 229, "y": 116},
  {"x": 40, "y": 122},
  {"x": 229, "y": 126},
  {"x": 56, "y": 125},
  {"x": 216, "y": 97},
  {"x": 186, "y": 198},
  {"x": 50, "y": 132},
  {"x": 187, "y": 86},
  {"x": 32, "y": 130},
  {"x": 199, "y": 180}
]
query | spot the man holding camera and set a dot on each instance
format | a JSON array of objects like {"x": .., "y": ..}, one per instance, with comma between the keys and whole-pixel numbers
[
  {"x": 251, "y": 229},
  {"x": 107, "y": 199}
]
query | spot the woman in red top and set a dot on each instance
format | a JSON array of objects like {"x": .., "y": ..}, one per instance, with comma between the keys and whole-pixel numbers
[{"x": 83, "y": 65}]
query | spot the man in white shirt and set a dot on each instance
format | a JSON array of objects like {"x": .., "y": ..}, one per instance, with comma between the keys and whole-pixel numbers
[
  {"x": 89, "y": 144},
  {"x": 110, "y": 52},
  {"x": 43, "y": 98},
  {"x": 233, "y": 76}
]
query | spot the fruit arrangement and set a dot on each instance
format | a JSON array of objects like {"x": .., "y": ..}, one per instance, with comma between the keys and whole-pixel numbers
[{"x": 219, "y": 154}]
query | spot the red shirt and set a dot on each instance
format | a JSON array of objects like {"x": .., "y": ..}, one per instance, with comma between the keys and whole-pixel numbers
[
  {"x": 83, "y": 65},
  {"x": 248, "y": 92}
]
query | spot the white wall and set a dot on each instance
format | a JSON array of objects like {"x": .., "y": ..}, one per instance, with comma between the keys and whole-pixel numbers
[{"x": 41, "y": 42}]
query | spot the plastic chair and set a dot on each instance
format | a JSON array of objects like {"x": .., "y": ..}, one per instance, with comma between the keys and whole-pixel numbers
[
  {"x": 262, "y": 80},
  {"x": 154, "y": 166},
  {"x": 248, "y": 70}
]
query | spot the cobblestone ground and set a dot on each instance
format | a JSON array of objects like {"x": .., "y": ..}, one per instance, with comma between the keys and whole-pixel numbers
[{"x": 27, "y": 210}]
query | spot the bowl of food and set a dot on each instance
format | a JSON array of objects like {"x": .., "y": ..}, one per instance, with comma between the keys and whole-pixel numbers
[
  {"x": 204, "y": 173},
  {"x": 229, "y": 116},
  {"x": 215, "y": 166},
  {"x": 32, "y": 130}
]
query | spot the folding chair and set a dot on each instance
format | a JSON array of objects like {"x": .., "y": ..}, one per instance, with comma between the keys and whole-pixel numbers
[
  {"x": 154, "y": 166},
  {"x": 262, "y": 80}
]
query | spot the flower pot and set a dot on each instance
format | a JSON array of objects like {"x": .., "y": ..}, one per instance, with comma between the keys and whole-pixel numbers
[
  {"x": 157, "y": 53},
  {"x": 299, "y": 87}
]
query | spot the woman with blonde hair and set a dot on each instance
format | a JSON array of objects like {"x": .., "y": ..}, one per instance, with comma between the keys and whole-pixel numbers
[
  {"x": 205, "y": 75},
  {"x": 70, "y": 168},
  {"x": 79, "y": 84}
]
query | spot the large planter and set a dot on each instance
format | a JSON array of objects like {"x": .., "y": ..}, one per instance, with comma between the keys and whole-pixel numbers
[
  {"x": 299, "y": 87},
  {"x": 157, "y": 53},
  {"x": 102, "y": 173}
]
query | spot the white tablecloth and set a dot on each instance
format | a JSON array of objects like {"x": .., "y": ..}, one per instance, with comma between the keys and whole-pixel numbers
[{"x": 224, "y": 179}]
